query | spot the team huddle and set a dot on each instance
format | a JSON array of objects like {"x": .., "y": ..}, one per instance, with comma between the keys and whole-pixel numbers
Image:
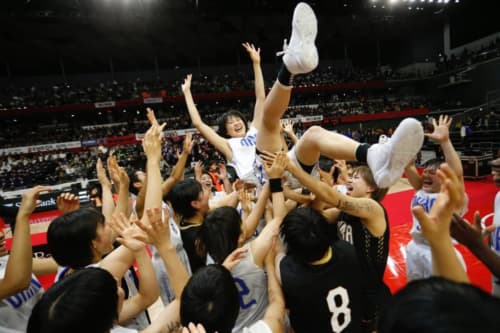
[{"x": 283, "y": 248}]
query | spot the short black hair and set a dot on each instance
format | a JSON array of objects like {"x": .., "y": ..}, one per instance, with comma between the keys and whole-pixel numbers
[
  {"x": 222, "y": 121},
  {"x": 220, "y": 232},
  {"x": 210, "y": 298},
  {"x": 436, "y": 305},
  {"x": 85, "y": 301},
  {"x": 181, "y": 196},
  {"x": 70, "y": 236},
  {"x": 305, "y": 233}
]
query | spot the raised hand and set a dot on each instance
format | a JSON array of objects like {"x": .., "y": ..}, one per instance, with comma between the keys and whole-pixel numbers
[
  {"x": 101, "y": 174},
  {"x": 274, "y": 164},
  {"x": 198, "y": 170},
  {"x": 234, "y": 258},
  {"x": 192, "y": 328},
  {"x": 130, "y": 235},
  {"x": 470, "y": 235},
  {"x": 152, "y": 142},
  {"x": 155, "y": 231},
  {"x": 441, "y": 131},
  {"x": 113, "y": 169},
  {"x": 222, "y": 173},
  {"x": 186, "y": 86},
  {"x": 245, "y": 199},
  {"x": 30, "y": 198},
  {"x": 287, "y": 125},
  {"x": 67, "y": 202},
  {"x": 187, "y": 145},
  {"x": 150, "y": 114},
  {"x": 252, "y": 52}
]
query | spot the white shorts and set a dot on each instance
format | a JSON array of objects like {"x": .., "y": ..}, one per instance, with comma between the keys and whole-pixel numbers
[
  {"x": 419, "y": 261},
  {"x": 292, "y": 182}
]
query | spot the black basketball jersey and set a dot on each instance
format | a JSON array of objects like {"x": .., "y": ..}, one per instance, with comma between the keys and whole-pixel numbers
[
  {"x": 324, "y": 298},
  {"x": 189, "y": 234},
  {"x": 372, "y": 253}
]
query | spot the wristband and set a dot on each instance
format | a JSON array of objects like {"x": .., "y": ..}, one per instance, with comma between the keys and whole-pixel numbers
[{"x": 275, "y": 185}]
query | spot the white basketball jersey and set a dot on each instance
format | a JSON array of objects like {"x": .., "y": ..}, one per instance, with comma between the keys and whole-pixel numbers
[
  {"x": 251, "y": 282},
  {"x": 166, "y": 291},
  {"x": 15, "y": 310},
  {"x": 427, "y": 200},
  {"x": 258, "y": 327},
  {"x": 244, "y": 155}
]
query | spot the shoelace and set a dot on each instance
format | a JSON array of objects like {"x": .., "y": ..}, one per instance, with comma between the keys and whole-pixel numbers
[{"x": 285, "y": 48}]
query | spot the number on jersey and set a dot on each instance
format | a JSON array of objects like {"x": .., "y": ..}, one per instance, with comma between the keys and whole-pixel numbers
[
  {"x": 338, "y": 304},
  {"x": 244, "y": 291}
]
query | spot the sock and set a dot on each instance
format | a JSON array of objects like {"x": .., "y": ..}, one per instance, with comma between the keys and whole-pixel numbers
[
  {"x": 362, "y": 152},
  {"x": 285, "y": 77},
  {"x": 306, "y": 168}
]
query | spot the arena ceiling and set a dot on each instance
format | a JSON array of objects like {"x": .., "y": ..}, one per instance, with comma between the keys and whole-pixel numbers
[{"x": 40, "y": 36}]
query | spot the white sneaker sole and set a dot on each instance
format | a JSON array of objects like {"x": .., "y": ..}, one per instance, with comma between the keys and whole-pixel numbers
[
  {"x": 301, "y": 46},
  {"x": 403, "y": 146}
]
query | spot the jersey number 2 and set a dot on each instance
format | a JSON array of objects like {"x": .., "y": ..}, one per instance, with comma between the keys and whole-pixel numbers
[
  {"x": 338, "y": 304},
  {"x": 243, "y": 291}
]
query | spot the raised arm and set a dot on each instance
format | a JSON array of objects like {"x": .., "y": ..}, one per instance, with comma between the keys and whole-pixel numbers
[
  {"x": 208, "y": 133},
  {"x": 287, "y": 126},
  {"x": 178, "y": 170},
  {"x": 157, "y": 233},
  {"x": 436, "y": 226},
  {"x": 121, "y": 181},
  {"x": 274, "y": 316},
  {"x": 262, "y": 244},
  {"x": 252, "y": 220},
  {"x": 108, "y": 204},
  {"x": 19, "y": 266},
  {"x": 472, "y": 236},
  {"x": 260, "y": 93},
  {"x": 414, "y": 178},
  {"x": 441, "y": 134},
  {"x": 148, "y": 285},
  {"x": 152, "y": 149}
]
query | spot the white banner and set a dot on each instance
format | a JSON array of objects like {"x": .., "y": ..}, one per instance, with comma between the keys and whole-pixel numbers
[
  {"x": 153, "y": 100},
  {"x": 108, "y": 104},
  {"x": 169, "y": 133},
  {"x": 307, "y": 119},
  {"x": 104, "y": 125},
  {"x": 38, "y": 148},
  {"x": 311, "y": 119}
]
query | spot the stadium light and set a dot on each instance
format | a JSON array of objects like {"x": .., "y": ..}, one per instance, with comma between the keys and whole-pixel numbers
[{"x": 411, "y": 2}]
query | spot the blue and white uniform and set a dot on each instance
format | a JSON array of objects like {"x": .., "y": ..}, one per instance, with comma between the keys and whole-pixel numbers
[
  {"x": 166, "y": 291},
  {"x": 251, "y": 282},
  {"x": 244, "y": 155},
  {"x": 418, "y": 251},
  {"x": 15, "y": 310}
]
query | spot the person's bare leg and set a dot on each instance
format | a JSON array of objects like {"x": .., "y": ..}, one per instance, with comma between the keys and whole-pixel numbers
[
  {"x": 317, "y": 141},
  {"x": 268, "y": 138},
  {"x": 386, "y": 161},
  {"x": 300, "y": 57}
]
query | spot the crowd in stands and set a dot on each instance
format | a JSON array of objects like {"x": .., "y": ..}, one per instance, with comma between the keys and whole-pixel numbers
[
  {"x": 468, "y": 57},
  {"x": 20, "y": 171},
  {"x": 24, "y": 170},
  {"x": 75, "y": 129}
]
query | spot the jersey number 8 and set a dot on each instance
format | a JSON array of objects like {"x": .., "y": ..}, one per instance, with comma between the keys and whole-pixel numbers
[{"x": 338, "y": 304}]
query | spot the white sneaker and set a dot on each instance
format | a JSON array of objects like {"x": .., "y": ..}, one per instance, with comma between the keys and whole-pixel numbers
[
  {"x": 388, "y": 160},
  {"x": 383, "y": 138},
  {"x": 301, "y": 55}
]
